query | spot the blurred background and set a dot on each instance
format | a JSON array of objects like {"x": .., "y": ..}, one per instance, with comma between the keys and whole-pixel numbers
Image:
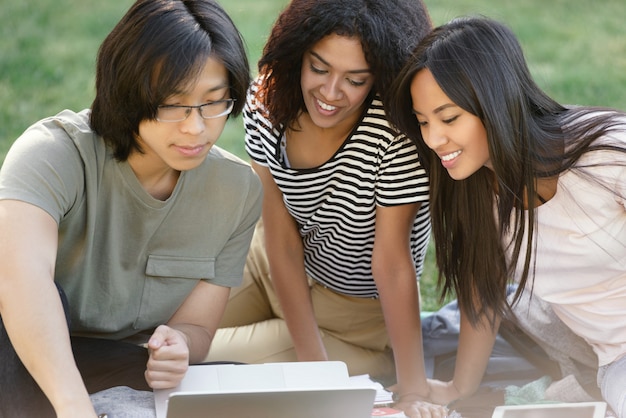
[{"x": 576, "y": 50}]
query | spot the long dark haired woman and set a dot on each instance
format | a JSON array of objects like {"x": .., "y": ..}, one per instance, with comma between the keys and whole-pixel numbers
[{"x": 522, "y": 188}]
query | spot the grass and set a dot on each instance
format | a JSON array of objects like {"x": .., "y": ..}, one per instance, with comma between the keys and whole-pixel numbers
[{"x": 576, "y": 50}]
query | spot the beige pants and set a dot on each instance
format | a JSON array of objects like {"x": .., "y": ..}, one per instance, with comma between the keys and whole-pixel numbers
[{"x": 253, "y": 330}]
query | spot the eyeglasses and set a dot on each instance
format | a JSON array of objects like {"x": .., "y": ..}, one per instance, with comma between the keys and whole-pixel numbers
[{"x": 210, "y": 110}]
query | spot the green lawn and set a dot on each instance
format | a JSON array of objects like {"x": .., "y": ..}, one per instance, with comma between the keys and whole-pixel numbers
[{"x": 576, "y": 50}]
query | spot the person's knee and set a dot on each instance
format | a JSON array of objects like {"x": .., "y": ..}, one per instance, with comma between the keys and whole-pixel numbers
[
  {"x": 261, "y": 342},
  {"x": 379, "y": 364}
]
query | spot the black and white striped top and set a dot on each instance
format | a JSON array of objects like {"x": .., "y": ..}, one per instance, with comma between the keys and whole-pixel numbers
[{"x": 334, "y": 204}]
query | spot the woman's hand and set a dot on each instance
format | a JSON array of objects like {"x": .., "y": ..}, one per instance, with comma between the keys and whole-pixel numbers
[
  {"x": 443, "y": 393},
  {"x": 414, "y": 406}
]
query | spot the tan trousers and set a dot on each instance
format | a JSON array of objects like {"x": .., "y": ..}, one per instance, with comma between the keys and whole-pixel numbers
[{"x": 253, "y": 330}]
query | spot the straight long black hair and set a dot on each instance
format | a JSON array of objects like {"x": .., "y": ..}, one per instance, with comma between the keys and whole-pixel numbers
[{"x": 480, "y": 66}]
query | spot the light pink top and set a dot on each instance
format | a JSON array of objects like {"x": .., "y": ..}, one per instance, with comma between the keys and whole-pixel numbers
[{"x": 581, "y": 253}]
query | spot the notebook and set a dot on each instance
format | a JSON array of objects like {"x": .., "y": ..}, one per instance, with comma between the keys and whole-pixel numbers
[
  {"x": 272, "y": 390},
  {"x": 552, "y": 410}
]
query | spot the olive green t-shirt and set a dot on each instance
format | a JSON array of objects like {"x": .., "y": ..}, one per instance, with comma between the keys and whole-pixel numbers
[{"x": 125, "y": 259}]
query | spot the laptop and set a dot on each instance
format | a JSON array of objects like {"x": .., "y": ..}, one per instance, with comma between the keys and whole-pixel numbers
[
  {"x": 272, "y": 390},
  {"x": 552, "y": 410}
]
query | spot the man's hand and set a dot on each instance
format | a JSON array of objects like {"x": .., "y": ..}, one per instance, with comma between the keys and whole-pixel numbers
[{"x": 169, "y": 358}]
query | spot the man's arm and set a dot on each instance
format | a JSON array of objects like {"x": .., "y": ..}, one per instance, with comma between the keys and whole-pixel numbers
[
  {"x": 31, "y": 308},
  {"x": 187, "y": 336}
]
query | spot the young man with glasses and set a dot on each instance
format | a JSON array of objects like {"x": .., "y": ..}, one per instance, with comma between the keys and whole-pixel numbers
[{"x": 124, "y": 221}]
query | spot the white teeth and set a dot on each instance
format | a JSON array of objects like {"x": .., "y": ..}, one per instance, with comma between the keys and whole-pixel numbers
[
  {"x": 451, "y": 156},
  {"x": 325, "y": 106}
]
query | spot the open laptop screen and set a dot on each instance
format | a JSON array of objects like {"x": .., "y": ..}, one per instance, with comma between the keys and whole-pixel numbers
[{"x": 306, "y": 403}]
